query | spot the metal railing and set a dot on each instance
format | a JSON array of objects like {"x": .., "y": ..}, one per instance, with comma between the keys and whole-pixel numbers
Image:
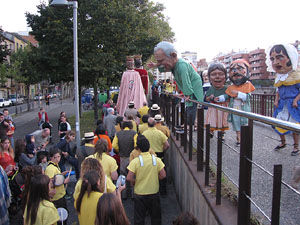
[
  {"x": 262, "y": 104},
  {"x": 175, "y": 118}
]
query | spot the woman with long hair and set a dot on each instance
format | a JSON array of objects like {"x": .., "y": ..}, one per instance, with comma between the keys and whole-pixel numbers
[
  {"x": 19, "y": 148},
  {"x": 108, "y": 163},
  {"x": 110, "y": 211},
  {"x": 86, "y": 202},
  {"x": 39, "y": 210},
  {"x": 7, "y": 156},
  {"x": 87, "y": 165},
  {"x": 28, "y": 172}
]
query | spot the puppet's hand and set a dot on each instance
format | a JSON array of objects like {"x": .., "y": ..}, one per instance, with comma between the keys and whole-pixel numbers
[
  {"x": 295, "y": 104},
  {"x": 276, "y": 104}
]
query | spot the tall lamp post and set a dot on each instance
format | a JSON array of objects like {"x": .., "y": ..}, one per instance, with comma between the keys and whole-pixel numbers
[{"x": 65, "y": 3}]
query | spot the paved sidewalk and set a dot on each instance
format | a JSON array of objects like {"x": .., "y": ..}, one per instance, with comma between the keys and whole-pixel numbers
[{"x": 264, "y": 141}]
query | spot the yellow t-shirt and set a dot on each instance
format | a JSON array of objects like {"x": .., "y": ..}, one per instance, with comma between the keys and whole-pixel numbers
[
  {"x": 143, "y": 127},
  {"x": 88, "y": 208},
  {"x": 169, "y": 87},
  {"x": 110, "y": 187},
  {"x": 143, "y": 111},
  {"x": 51, "y": 171},
  {"x": 156, "y": 138},
  {"x": 46, "y": 215},
  {"x": 107, "y": 162},
  {"x": 135, "y": 153},
  {"x": 146, "y": 181}
]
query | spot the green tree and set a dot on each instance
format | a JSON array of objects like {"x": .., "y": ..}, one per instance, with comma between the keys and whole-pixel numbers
[
  {"x": 4, "y": 51},
  {"x": 3, "y": 74},
  {"x": 108, "y": 30}
]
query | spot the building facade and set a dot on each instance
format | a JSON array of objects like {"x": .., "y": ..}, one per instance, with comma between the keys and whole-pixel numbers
[{"x": 258, "y": 67}]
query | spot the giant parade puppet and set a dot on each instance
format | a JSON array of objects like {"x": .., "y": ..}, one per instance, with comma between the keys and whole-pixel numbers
[
  {"x": 131, "y": 88},
  {"x": 283, "y": 60}
]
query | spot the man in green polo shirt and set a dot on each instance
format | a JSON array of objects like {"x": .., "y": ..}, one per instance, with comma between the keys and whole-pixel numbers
[{"x": 144, "y": 172}]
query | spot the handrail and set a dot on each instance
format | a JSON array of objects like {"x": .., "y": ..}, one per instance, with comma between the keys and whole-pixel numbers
[{"x": 253, "y": 116}]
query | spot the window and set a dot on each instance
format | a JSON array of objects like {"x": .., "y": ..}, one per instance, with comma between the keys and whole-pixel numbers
[{"x": 17, "y": 46}]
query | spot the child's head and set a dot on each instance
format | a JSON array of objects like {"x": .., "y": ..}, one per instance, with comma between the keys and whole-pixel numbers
[
  {"x": 90, "y": 182},
  {"x": 41, "y": 158},
  {"x": 55, "y": 155},
  {"x": 217, "y": 75},
  {"x": 110, "y": 211},
  {"x": 93, "y": 164},
  {"x": 186, "y": 218},
  {"x": 205, "y": 76},
  {"x": 38, "y": 191}
]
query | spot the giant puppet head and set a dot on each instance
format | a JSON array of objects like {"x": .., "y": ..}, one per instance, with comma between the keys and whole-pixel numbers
[
  {"x": 282, "y": 58},
  {"x": 130, "y": 62},
  {"x": 239, "y": 72},
  {"x": 217, "y": 75},
  {"x": 166, "y": 56}
]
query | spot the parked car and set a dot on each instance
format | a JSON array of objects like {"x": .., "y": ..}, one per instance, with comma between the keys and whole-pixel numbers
[
  {"x": 5, "y": 102},
  {"x": 14, "y": 101},
  {"x": 37, "y": 97}
]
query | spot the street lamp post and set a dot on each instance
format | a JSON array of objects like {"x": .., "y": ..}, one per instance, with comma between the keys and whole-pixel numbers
[{"x": 63, "y": 3}]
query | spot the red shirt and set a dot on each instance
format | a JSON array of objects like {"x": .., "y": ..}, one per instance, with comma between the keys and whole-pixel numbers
[
  {"x": 6, "y": 159},
  {"x": 144, "y": 77}
]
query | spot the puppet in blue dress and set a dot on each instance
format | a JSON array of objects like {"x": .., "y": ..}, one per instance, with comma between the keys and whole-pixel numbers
[{"x": 283, "y": 60}]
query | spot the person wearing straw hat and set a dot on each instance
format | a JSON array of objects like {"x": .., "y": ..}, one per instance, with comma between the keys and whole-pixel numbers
[
  {"x": 131, "y": 88},
  {"x": 131, "y": 111},
  {"x": 86, "y": 149},
  {"x": 154, "y": 110},
  {"x": 159, "y": 126},
  {"x": 283, "y": 59}
]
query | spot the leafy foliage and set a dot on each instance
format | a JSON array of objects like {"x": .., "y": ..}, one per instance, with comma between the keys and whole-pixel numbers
[
  {"x": 4, "y": 51},
  {"x": 108, "y": 30}
]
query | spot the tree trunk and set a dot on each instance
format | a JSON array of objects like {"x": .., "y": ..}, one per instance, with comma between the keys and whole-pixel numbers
[
  {"x": 95, "y": 86},
  {"x": 28, "y": 98}
]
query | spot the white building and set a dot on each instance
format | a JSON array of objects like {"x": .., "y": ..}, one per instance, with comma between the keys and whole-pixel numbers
[{"x": 190, "y": 57}]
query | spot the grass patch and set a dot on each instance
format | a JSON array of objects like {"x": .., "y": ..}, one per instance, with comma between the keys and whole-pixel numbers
[{"x": 87, "y": 122}]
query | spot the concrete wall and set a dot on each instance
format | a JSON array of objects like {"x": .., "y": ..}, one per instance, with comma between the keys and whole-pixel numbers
[{"x": 190, "y": 190}]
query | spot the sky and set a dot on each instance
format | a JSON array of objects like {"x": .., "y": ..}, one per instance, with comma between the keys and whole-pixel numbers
[{"x": 207, "y": 27}]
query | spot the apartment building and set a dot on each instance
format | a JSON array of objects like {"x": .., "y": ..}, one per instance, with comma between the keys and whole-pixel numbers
[{"x": 258, "y": 67}]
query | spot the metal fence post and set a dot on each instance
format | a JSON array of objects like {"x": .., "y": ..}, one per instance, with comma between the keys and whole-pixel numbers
[
  {"x": 190, "y": 140},
  {"x": 245, "y": 176},
  {"x": 200, "y": 138},
  {"x": 177, "y": 122},
  {"x": 219, "y": 169},
  {"x": 173, "y": 114},
  {"x": 276, "y": 195},
  {"x": 185, "y": 133},
  {"x": 167, "y": 112},
  {"x": 207, "y": 154},
  {"x": 182, "y": 107}
]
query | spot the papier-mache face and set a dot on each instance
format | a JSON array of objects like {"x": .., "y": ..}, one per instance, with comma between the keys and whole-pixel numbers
[
  {"x": 238, "y": 72},
  {"x": 217, "y": 79},
  {"x": 280, "y": 60}
]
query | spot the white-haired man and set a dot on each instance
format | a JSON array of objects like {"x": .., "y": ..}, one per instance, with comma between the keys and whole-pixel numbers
[
  {"x": 110, "y": 123},
  {"x": 187, "y": 79}
]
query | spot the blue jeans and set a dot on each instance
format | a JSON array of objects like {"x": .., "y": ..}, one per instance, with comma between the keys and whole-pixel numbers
[
  {"x": 191, "y": 113},
  {"x": 74, "y": 163}
]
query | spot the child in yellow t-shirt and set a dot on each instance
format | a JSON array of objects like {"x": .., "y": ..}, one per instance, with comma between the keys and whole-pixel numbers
[{"x": 38, "y": 209}]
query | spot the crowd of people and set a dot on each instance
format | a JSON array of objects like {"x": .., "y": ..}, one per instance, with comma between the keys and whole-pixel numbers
[
  {"x": 35, "y": 173},
  {"x": 124, "y": 157}
]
